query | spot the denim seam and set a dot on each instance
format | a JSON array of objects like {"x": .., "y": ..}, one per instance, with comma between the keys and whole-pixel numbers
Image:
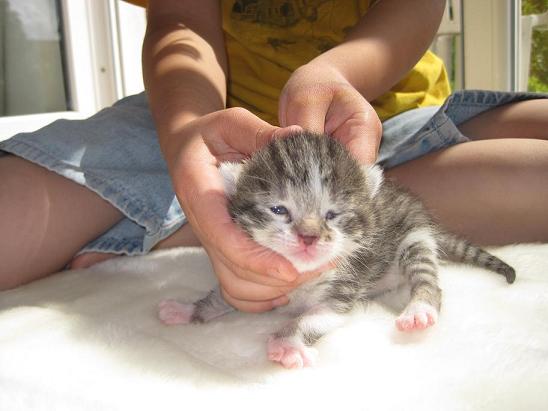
[
  {"x": 471, "y": 98},
  {"x": 446, "y": 138},
  {"x": 425, "y": 132},
  {"x": 127, "y": 246}
]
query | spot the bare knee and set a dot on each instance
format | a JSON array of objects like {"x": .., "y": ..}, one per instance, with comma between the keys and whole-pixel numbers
[
  {"x": 24, "y": 209},
  {"x": 45, "y": 220},
  {"x": 524, "y": 119},
  {"x": 490, "y": 191},
  {"x": 183, "y": 237}
]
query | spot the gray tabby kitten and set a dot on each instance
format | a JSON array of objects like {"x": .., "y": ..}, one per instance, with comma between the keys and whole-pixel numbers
[{"x": 307, "y": 199}]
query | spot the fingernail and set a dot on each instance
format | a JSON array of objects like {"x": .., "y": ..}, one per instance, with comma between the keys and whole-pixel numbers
[
  {"x": 278, "y": 302},
  {"x": 281, "y": 276}
]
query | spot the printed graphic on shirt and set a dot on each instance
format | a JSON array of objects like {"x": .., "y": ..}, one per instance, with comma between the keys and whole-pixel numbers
[
  {"x": 267, "y": 40},
  {"x": 280, "y": 13},
  {"x": 291, "y": 25}
]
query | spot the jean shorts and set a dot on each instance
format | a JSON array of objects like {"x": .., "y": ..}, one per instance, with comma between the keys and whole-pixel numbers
[{"x": 115, "y": 153}]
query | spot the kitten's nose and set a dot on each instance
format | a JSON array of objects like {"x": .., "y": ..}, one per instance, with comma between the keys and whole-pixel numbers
[{"x": 308, "y": 239}]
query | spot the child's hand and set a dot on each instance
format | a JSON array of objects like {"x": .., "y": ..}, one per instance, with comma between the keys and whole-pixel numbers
[
  {"x": 318, "y": 98},
  {"x": 252, "y": 278}
]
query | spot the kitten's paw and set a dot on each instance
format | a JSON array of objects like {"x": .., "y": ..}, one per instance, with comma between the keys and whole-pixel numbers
[
  {"x": 417, "y": 316},
  {"x": 171, "y": 312},
  {"x": 289, "y": 354}
]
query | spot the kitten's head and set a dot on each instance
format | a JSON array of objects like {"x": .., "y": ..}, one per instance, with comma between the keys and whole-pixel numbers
[{"x": 304, "y": 197}]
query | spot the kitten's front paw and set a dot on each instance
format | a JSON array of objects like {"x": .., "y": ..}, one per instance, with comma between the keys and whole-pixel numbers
[
  {"x": 417, "y": 316},
  {"x": 289, "y": 354},
  {"x": 171, "y": 312}
]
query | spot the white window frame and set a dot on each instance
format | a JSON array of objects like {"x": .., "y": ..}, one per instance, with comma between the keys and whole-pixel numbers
[
  {"x": 130, "y": 22},
  {"x": 492, "y": 53},
  {"x": 491, "y": 44},
  {"x": 92, "y": 64},
  {"x": 103, "y": 41}
]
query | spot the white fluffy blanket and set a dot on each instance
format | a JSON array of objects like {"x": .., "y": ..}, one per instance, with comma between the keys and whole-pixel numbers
[{"x": 90, "y": 340}]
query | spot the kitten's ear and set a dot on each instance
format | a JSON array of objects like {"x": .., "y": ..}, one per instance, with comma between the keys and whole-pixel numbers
[
  {"x": 230, "y": 173},
  {"x": 374, "y": 178}
]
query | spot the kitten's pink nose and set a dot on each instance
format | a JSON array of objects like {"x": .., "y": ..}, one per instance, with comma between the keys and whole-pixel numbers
[{"x": 308, "y": 239}]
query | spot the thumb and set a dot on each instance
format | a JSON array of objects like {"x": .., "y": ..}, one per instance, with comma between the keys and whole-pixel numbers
[{"x": 238, "y": 129}]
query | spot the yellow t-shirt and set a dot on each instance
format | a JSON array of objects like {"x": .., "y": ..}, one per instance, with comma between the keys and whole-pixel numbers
[{"x": 267, "y": 40}]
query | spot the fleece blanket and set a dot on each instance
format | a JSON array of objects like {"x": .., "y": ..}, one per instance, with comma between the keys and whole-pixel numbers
[{"x": 90, "y": 340}]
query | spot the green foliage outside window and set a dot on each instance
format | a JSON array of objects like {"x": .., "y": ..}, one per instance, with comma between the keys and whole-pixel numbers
[{"x": 538, "y": 74}]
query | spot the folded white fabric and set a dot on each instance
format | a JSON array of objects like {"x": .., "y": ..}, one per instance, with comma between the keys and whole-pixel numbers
[{"x": 90, "y": 340}]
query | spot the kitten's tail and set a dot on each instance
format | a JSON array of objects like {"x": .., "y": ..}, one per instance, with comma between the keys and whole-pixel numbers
[{"x": 456, "y": 249}]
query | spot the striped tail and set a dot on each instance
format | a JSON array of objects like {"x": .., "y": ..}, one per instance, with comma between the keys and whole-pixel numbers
[{"x": 458, "y": 250}]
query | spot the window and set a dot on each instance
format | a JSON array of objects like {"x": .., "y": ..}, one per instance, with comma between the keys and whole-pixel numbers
[
  {"x": 448, "y": 43},
  {"x": 65, "y": 59},
  {"x": 533, "y": 58},
  {"x": 31, "y": 58},
  {"x": 495, "y": 44},
  {"x": 70, "y": 58}
]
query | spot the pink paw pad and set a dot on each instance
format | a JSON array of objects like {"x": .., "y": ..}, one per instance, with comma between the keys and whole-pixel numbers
[
  {"x": 290, "y": 355},
  {"x": 171, "y": 312},
  {"x": 417, "y": 316}
]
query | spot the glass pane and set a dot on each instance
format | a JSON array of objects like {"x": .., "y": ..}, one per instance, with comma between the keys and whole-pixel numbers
[
  {"x": 448, "y": 43},
  {"x": 31, "y": 61},
  {"x": 534, "y": 46}
]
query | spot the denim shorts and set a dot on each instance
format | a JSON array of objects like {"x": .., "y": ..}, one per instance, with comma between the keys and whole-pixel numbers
[{"x": 115, "y": 153}]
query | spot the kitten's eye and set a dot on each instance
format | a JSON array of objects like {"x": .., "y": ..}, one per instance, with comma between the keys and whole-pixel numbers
[
  {"x": 330, "y": 215},
  {"x": 280, "y": 210}
]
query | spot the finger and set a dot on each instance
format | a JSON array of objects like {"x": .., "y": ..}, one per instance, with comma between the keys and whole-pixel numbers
[
  {"x": 246, "y": 255},
  {"x": 235, "y": 246},
  {"x": 361, "y": 139},
  {"x": 206, "y": 207},
  {"x": 238, "y": 141},
  {"x": 236, "y": 130},
  {"x": 249, "y": 291},
  {"x": 354, "y": 122},
  {"x": 250, "y": 276},
  {"x": 284, "y": 132},
  {"x": 254, "y": 306},
  {"x": 242, "y": 288},
  {"x": 307, "y": 110}
]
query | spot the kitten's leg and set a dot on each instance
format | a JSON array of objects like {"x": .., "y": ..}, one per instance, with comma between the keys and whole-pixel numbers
[
  {"x": 291, "y": 346},
  {"x": 212, "y": 306},
  {"x": 418, "y": 261}
]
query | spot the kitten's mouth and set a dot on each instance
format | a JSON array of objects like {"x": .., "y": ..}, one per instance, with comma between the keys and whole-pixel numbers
[
  {"x": 306, "y": 254},
  {"x": 309, "y": 258}
]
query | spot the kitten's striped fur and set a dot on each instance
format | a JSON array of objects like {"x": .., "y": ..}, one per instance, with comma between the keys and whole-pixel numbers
[{"x": 377, "y": 234}]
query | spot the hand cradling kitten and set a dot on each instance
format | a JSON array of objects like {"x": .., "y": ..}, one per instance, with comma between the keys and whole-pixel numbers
[{"x": 307, "y": 199}]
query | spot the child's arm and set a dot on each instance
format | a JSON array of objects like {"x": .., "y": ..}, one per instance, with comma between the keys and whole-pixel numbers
[
  {"x": 332, "y": 91},
  {"x": 385, "y": 44},
  {"x": 184, "y": 66}
]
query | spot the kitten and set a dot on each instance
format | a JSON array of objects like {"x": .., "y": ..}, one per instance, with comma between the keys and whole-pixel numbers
[{"x": 307, "y": 199}]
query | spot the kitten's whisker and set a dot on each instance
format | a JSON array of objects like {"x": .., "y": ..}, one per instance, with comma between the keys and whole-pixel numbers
[
  {"x": 257, "y": 178},
  {"x": 377, "y": 227}
]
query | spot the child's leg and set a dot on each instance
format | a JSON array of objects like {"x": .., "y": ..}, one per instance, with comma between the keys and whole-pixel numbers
[
  {"x": 492, "y": 190},
  {"x": 183, "y": 237},
  {"x": 526, "y": 119},
  {"x": 45, "y": 220}
]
